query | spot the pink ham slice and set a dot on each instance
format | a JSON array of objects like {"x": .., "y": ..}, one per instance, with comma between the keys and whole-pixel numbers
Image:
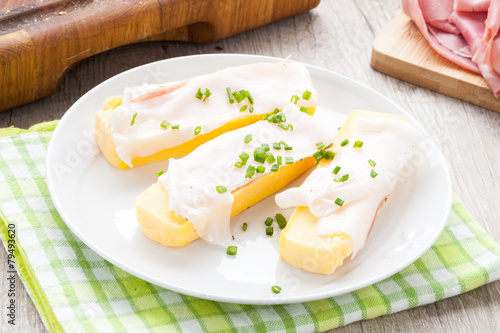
[
  {"x": 472, "y": 5},
  {"x": 449, "y": 45},
  {"x": 488, "y": 54},
  {"x": 471, "y": 26}
]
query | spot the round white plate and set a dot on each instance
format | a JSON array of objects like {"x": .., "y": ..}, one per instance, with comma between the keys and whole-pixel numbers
[{"x": 96, "y": 201}]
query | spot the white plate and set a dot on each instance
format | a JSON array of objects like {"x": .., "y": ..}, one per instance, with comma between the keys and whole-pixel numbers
[{"x": 96, "y": 201}]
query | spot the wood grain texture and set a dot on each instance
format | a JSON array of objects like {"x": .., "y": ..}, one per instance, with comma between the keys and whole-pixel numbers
[
  {"x": 337, "y": 35},
  {"x": 401, "y": 51},
  {"x": 41, "y": 40}
]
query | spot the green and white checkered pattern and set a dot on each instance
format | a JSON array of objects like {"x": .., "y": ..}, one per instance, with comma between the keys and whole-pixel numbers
[{"x": 75, "y": 290}]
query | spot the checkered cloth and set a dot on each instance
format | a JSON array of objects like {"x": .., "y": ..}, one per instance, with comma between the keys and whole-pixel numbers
[{"x": 75, "y": 290}]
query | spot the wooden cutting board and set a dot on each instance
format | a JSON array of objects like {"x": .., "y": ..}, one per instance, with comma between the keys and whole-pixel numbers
[
  {"x": 40, "y": 40},
  {"x": 401, "y": 51}
]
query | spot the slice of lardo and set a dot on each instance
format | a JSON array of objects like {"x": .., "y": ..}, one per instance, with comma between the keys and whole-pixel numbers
[
  {"x": 199, "y": 193},
  {"x": 156, "y": 122},
  {"x": 338, "y": 202}
]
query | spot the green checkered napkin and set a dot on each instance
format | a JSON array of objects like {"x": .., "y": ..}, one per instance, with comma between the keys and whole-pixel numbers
[{"x": 75, "y": 290}]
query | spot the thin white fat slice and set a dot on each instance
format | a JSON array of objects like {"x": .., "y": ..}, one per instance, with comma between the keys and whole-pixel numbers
[
  {"x": 390, "y": 143},
  {"x": 192, "y": 180},
  {"x": 271, "y": 86}
]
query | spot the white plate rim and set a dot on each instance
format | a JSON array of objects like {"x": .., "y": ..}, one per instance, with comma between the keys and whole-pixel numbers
[{"x": 285, "y": 300}]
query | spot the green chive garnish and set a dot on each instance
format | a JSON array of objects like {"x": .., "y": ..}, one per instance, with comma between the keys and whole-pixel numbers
[
  {"x": 231, "y": 250},
  {"x": 276, "y": 145},
  {"x": 283, "y": 143},
  {"x": 345, "y": 142},
  {"x": 174, "y": 126},
  {"x": 248, "y": 138},
  {"x": 303, "y": 109},
  {"x": 230, "y": 95},
  {"x": 288, "y": 160},
  {"x": 306, "y": 95},
  {"x": 238, "y": 164},
  {"x": 275, "y": 167},
  {"x": 295, "y": 98},
  {"x": 244, "y": 157},
  {"x": 164, "y": 124},
  {"x": 238, "y": 96},
  {"x": 197, "y": 130},
  {"x": 269, "y": 231},
  {"x": 251, "y": 109},
  {"x": 261, "y": 169},
  {"x": 318, "y": 156},
  {"x": 259, "y": 155},
  {"x": 270, "y": 157},
  {"x": 221, "y": 189},
  {"x": 337, "y": 180},
  {"x": 202, "y": 92},
  {"x": 278, "y": 159},
  {"x": 281, "y": 221},
  {"x": 373, "y": 174},
  {"x": 288, "y": 148},
  {"x": 276, "y": 110},
  {"x": 276, "y": 289},
  {"x": 133, "y": 119},
  {"x": 159, "y": 173},
  {"x": 250, "y": 171},
  {"x": 344, "y": 178},
  {"x": 245, "y": 226},
  {"x": 320, "y": 145},
  {"x": 329, "y": 155},
  {"x": 243, "y": 108},
  {"x": 336, "y": 170},
  {"x": 339, "y": 202},
  {"x": 268, "y": 221},
  {"x": 358, "y": 144},
  {"x": 265, "y": 146},
  {"x": 331, "y": 144},
  {"x": 372, "y": 162}
]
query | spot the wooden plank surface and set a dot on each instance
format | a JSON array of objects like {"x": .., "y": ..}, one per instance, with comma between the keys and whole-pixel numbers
[
  {"x": 337, "y": 35},
  {"x": 41, "y": 40},
  {"x": 401, "y": 51}
]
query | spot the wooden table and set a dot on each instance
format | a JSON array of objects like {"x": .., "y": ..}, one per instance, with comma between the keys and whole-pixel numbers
[{"x": 336, "y": 35}]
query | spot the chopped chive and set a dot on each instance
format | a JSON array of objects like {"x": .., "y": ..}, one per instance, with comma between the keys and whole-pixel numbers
[
  {"x": 245, "y": 226},
  {"x": 276, "y": 110},
  {"x": 339, "y": 202},
  {"x": 250, "y": 171},
  {"x": 373, "y": 174},
  {"x": 282, "y": 126},
  {"x": 243, "y": 108},
  {"x": 338, "y": 129},
  {"x": 372, "y": 162},
  {"x": 268, "y": 221},
  {"x": 238, "y": 96},
  {"x": 199, "y": 94},
  {"x": 269, "y": 231},
  {"x": 250, "y": 99},
  {"x": 230, "y": 95},
  {"x": 318, "y": 156},
  {"x": 275, "y": 167},
  {"x": 270, "y": 157},
  {"x": 259, "y": 157},
  {"x": 221, "y": 189},
  {"x": 248, "y": 138},
  {"x": 281, "y": 221},
  {"x": 345, "y": 142},
  {"x": 265, "y": 146},
  {"x": 320, "y": 145},
  {"x": 303, "y": 109},
  {"x": 329, "y": 155},
  {"x": 276, "y": 145},
  {"x": 251, "y": 109},
  {"x": 202, "y": 92},
  {"x": 289, "y": 160},
  {"x": 238, "y": 164},
  {"x": 295, "y": 98},
  {"x": 174, "y": 126},
  {"x": 244, "y": 156},
  {"x": 290, "y": 127},
  {"x": 331, "y": 144},
  {"x": 232, "y": 250},
  {"x": 283, "y": 143},
  {"x": 164, "y": 124},
  {"x": 278, "y": 159},
  {"x": 344, "y": 178},
  {"x": 288, "y": 148},
  {"x": 276, "y": 289},
  {"x": 337, "y": 180},
  {"x": 336, "y": 170},
  {"x": 261, "y": 169},
  {"x": 159, "y": 173},
  {"x": 358, "y": 144},
  {"x": 306, "y": 95},
  {"x": 322, "y": 152},
  {"x": 197, "y": 130},
  {"x": 245, "y": 93},
  {"x": 133, "y": 119}
]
